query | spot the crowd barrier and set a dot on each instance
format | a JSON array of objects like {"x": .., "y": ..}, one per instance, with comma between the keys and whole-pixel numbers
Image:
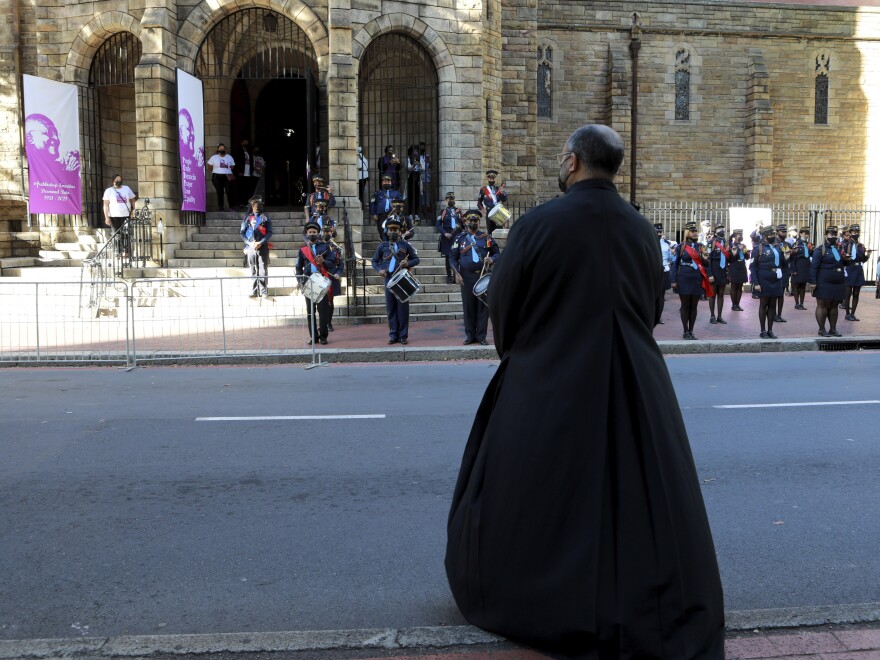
[{"x": 151, "y": 320}]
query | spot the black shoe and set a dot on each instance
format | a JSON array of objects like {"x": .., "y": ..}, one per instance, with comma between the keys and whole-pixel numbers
[
  {"x": 736, "y": 308},
  {"x": 450, "y": 279},
  {"x": 309, "y": 342},
  {"x": 330, "y": 327},
  {"x": 834, "y": 333},
  {"x": 822, "y": 333},
  {"x": 779, "y": 319},
  {"x": 764, "y": 335},
  {"x": 771, "y": 335},
  {"x": 661, "y": 322},
  {"x": 712, "y": 320},
  {"x": 483, "y": 342},
  {"x": 393, "y": 341},
  {"x": 323, "y": 341},
  {"x": 854, "y": 317},
  {"x": 722, "y": 321},
  {"x": 685, "y": 335},
  {"x": 841, "y": 306},
  {"x": 468, "y": 342},
  {"x": 691, "y": 335},
  {"x": 403, "y": 340}
]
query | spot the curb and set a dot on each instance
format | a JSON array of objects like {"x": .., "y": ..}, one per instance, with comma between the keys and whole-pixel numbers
[{"x": 136, "y": 646}]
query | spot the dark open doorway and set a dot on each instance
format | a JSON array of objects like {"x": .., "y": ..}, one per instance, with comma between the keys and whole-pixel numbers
[{"x": 282, "y": 132}]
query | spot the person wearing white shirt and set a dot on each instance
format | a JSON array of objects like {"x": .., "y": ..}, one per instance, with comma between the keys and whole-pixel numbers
[
  {"x": 119, "y": 202},
  {"x": 221, "y": 174},
  {"x": 363, "y": 175},
  {"x": 667, "y": 259}
]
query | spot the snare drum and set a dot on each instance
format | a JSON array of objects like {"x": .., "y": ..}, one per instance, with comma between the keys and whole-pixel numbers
[
  {"x": 403, "y": 285},
  {"x": 481, "y": 288},
  {"x": 499, "y": 215},
  {"x": 316, "y": 287}
]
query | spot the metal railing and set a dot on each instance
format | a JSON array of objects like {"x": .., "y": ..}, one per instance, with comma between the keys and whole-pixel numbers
[{"x": 153, "y": 320}]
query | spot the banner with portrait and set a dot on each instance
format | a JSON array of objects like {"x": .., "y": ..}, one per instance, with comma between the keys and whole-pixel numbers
[
  {"x": 191, "y": 141},
  {"x": 51, "y": 135}
]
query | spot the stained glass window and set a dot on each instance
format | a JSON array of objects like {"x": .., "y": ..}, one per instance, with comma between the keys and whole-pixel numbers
[
  {"x": 545, "y": 82},
  {"x": 821, "y": 116},
  {"x": 682, "y": 94}
]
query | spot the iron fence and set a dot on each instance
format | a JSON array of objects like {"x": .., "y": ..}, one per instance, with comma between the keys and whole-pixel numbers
[{"x": 151, "y": 320}]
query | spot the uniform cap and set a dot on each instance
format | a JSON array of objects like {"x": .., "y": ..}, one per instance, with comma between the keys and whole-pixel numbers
[
  {"x": 310, "y": 224},
  {"x": 658, "y": 226},
  {"x": 855, "y": 228},
  {"x": 691, "y": 226},
  {"x": 768, "y": 231},
  {"x": 831, "y": 228},
  {"x": 805, "y": 229},
  {"x": 318, "y": 177},
  {"x": 736, "y": 231},
  {"x": 472, "y": 213},
  {"x": 490, "y": 172},
  {"x": 392, "y": 221},
  {"x": 321, "y": 202},
  {"x": 720, "y": 225},
  {"x": 782, "y": 227},
  {"x": 386, "y": 177}
]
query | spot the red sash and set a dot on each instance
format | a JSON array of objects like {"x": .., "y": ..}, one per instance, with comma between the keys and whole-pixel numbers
[
  {"x": 707, "y": 286},
  {"x": 725, "y": 251},
  {"x": 307, "y": 253}
]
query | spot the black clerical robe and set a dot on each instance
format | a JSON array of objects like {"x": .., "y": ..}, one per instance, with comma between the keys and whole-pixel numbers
[{"x": 577, "y": 523}]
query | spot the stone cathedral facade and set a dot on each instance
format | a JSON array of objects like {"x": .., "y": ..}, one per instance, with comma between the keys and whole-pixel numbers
[{"x": 728, "y": 101}]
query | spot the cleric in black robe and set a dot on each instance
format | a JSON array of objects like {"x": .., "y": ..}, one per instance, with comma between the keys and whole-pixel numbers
[{"x": 577, "y": 524}]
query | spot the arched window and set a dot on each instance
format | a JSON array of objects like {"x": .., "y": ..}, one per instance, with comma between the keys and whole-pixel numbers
[
  {"x": 682, "y": 84},
  {"x": 823, "y": 69},
  {"x": 545, "y": 81}
]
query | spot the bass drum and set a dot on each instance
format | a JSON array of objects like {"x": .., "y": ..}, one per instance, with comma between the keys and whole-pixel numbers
[
  {"x": 403, "y": 285},
  {"x": 481, "y": 288}
]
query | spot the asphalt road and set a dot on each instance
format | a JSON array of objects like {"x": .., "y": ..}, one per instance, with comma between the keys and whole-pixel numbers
[{"x": 122, "y": 514}]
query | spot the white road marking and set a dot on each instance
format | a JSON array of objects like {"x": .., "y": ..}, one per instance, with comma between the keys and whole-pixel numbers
[
  {"x": 285, "y": 417},
  {"x": 801, "y": 404}
]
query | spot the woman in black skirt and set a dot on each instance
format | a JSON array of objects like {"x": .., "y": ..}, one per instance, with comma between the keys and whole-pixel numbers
[
  {"x": 854, "y": 255},
  {"x": 719, "y": 263},
  {"x": 800, "y": 267},
  {"x": 767, "y": 279},
  {"x": 737, "y": 272},
  {"x": 826, "y": 272},
  {"x": 689, "y": 278}
]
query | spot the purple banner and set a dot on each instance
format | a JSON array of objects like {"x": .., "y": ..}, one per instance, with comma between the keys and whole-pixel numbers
[
  {"x": 51, "y": 134},
  {"x": 191, "y": 140}
]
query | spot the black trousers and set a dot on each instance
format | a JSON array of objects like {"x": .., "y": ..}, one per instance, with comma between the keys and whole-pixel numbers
[
  {"x": 221, "y": 185},
  {"x": 323, "y": 308},
  {"x": 476, "y": 314},
  {"x": 258, "y": 262},
  {"x": 122, "y": 241}
]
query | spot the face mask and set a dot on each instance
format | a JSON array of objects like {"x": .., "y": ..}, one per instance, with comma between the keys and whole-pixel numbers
[
  {"x": 386, "y": 186},
  {"x": 118, "y": 184},
  {"x": 831, "y": 239},
  {"x": 719, "y": 234},
  {"x": 771, "y": 240},
  {"x": 393, "y": 236},
  {"x": 451, "y": 203},
  {"x": 473, "y": 226},
  {"x": 854, "y": 237},
  {"x": 313, "y": 238},
  {"x": 223, "y": 152}
]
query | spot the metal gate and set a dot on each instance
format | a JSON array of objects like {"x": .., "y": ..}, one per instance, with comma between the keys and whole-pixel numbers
[
  {"x": 398, "y": 106},
  {"x": 112, "y": 69},
  {"x": 259, "y": 46}
]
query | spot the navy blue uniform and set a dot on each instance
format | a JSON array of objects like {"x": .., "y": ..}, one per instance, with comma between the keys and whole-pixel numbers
[
  {"x": 318, "y": 195},
  {"x": 407, "y": 230},
  {"x": 322, "y": 221},
  {"x": 257, "y": 228},
  {"x": 388, "y": 257},
  {"x": 380, "y": 206},
  {"x": 767, "y": 271},
  {"x": 487, "y": 203},
  {"x": 466, "y": 258},
  {"x": 799, "y": 261},
  {"x": 736, "y": 269},
  {"x": 854, "y": 255},
  {"x": 719, "y": 261},
  {"x": 826, "y": 272},
  {"x": 685, "y": 273},
  {"x": 304, "y": 270},
  {"x": 448, "y": 222}
]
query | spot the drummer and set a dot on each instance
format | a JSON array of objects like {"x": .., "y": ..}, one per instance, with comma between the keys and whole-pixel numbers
[
  {"x": 448, "y": 226},
  {"x": 490, "y": 195},
  {"x": 316, "y": 257},
  {"x": 392, "y": 255},
  {"x": 473, "y": 252}
]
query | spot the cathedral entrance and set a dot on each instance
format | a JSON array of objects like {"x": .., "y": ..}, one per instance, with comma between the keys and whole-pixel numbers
[
  {"x": 260, "y": 73},
  {"x": 398, "y": 107}
]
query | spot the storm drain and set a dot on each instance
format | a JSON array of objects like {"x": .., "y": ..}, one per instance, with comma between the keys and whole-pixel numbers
[{"x": 849, "y": 345}]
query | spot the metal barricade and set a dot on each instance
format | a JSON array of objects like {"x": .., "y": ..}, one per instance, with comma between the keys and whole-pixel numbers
[
  {"x": 42, "y": 322},
  {"x": 193, "y": 318}
]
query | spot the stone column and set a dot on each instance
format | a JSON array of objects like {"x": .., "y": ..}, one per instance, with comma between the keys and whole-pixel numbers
[
  {"x": 156, "y": 120},
  {"x": 759, "y": 133},
  {"x": 619, "y": 108},
  {"x": 342, "y": 114}
]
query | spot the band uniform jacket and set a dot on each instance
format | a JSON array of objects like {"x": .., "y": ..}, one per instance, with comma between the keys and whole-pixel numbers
[
  {"x": 304, "y": 266},
  {"x": 399, "y": 249},
  {"x": 460, "y": 255},
  {"x": 826, "y": 272},
  {"x": 449, "y": 222},
  {"x": 855, "y": 272},
  {"x": 577, "y": 523}
]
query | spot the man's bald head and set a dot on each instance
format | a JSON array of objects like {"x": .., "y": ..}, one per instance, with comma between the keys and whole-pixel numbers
[{"x": 599, "y": 150}]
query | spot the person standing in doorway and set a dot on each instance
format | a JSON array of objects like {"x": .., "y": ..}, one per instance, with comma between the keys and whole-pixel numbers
[
  {"x": 222, "y": 176},
  {"x": 119, "y": 202},
  {"x": 363, "y": 175}
]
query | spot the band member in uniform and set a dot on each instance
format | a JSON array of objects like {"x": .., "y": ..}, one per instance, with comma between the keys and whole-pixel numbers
[
  {"x": 407, "y": 228},
  {"x": 256, "y": 230},
  {"x": 800, "y": 267},
  {"x": 785, "y": 250},
  {"x": 826, "y": 273},
  {"x": 472, "y": 252},
  {"x": 392, "y": 255},
  {"x": 316, "y": 257},
  {"x": 755, "y": 237},
  {"x": 449, "y": 225},
  {"x": 489, "y": 196},
  {"x": 322, "y": 218},
  {"x": 719, "y": 261},
  {"x": 737, "y": 272},
  {"x": 322, "y": 191},
  {"x": 767, "y": 279},
  {"x": 841, "y": 239},
  {"x": 380, "y": 203},
  {"x": 855, "y": 255},
  {"x": 336, "y": 274},
  {"x": 666, "y": 260},
  {"x": 690, "y": 279}
]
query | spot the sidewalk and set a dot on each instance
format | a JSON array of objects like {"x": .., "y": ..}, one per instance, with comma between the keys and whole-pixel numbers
[{"x": 826, "y": 643}]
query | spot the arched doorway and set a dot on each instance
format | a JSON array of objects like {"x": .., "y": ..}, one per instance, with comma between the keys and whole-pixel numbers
[
  {"x": 398, "y": 106},
  {"x": 260, "y": 75},
  {"x": 107, "y": 127}
]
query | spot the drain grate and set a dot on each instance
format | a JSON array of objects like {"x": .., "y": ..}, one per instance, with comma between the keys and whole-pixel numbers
[{"x": 850, "y": 345}]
